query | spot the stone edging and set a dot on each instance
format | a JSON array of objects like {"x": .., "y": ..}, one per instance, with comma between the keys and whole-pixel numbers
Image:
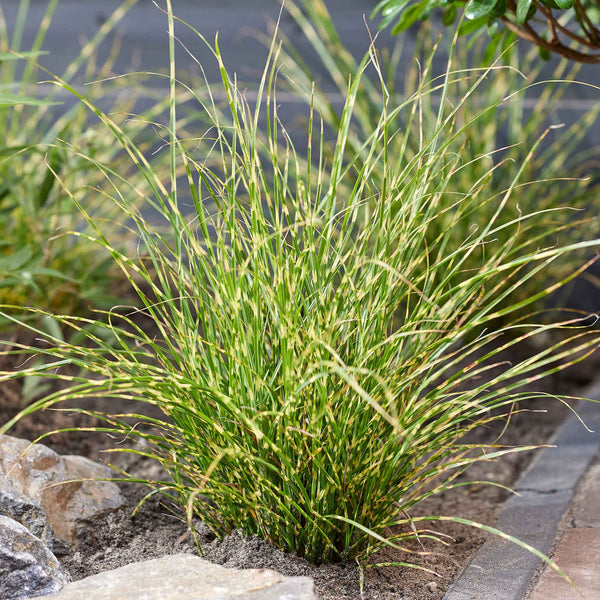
[{"x": 503, "y": 571}]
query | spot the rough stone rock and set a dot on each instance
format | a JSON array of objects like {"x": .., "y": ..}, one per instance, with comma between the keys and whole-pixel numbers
[
  {"x": 27, "y": 567},
  {"x": 185, "y": 577},
  {"x": 16, "y": 505},
  {"x": 38, "y": 473}
]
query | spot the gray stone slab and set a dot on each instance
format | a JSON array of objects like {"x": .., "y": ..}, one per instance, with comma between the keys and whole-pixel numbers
[
  {"x": 186, "y": 577},
  {"x": 485, "y": 578},
  {"x": 529, "y": 515},
  {"x": 558, "y": 469},
  {"x": 501, "y": 570}
]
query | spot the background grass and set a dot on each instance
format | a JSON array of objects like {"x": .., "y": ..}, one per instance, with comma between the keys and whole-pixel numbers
[
  {"x": 46, "y": 260},
  {"x": 494, "y": 131}
]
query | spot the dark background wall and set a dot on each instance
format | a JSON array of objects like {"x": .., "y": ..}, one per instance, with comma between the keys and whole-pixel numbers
[{"x": 144, "y": 30}]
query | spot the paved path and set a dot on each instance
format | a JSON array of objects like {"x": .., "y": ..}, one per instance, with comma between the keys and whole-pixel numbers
[
  {"x": 144, "y": 38},
  {"x": 578, "y": 549},
  {"x": 144, "y": 30}
]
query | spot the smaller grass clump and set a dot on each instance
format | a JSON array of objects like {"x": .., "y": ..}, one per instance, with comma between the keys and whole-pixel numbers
[
  {"x": 46, "y": 260},
  {"x": 505, "y": 116},
  {"x": 317, "y": 355}
]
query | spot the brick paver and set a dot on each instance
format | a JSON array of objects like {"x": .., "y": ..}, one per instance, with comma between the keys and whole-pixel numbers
[
  {"x": 586, "y": 505},
  {"x": 578, "y": 554}
]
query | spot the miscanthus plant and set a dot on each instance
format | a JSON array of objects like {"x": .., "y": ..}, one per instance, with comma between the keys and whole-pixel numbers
[
  {"x": 513, "y": 109},
  {"x": 316, "y": 357}
]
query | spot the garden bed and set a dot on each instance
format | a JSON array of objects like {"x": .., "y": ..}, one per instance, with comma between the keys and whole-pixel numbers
[
  {"x": 332, "y": 335},
  {"x": 158, "y": 529}
]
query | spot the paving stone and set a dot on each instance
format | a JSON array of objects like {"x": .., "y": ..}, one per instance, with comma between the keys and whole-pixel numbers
[
  {"x": 501, "y": 570},
  {"x": 186, "y": 577},
  {"x": 27, "y": 567},
  {"x": 560, "y": 468},
  {"x": 533, "y": 517},
  {"x": 35, "y": 470},
  {"x": 586, "y": 506},
  {"x": 578, "y": 554}
]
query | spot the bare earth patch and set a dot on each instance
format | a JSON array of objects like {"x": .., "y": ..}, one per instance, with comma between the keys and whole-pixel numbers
[{"x": 157, "y": 529}]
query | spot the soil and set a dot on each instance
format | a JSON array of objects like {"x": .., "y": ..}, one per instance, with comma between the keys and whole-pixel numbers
[{"x": 157, "y": 529}]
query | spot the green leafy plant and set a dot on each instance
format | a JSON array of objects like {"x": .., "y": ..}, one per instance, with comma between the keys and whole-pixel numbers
[
  {"x": 316, "y": 380},
  {"x": 566, "y": 27}
]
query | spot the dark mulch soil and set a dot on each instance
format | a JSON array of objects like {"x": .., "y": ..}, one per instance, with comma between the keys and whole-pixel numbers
[{"x": 119, "y": 538}]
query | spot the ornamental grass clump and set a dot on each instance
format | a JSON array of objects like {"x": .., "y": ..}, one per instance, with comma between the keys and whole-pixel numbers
[
  {"x": 509, "y": 111},
  {"x": 316, "y": 357}
]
